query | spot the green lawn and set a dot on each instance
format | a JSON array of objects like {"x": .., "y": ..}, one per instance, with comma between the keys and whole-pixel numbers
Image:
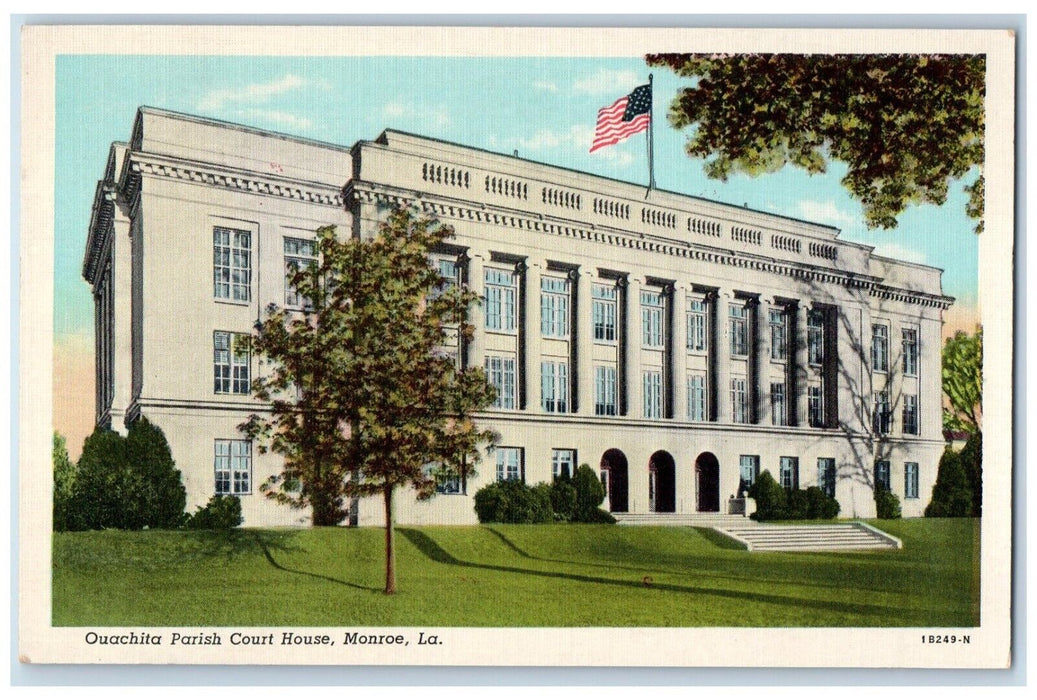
[{"x": 511, "y": 575}]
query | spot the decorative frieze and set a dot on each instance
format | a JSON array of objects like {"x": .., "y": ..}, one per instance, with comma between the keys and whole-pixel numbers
[
  {"x": 787, "y": 243},
  {"x": 507, "y": 187},
  {"x": 823, "y": 250},
  {"x": 749, "y": 236},
  {"x": 561, "y": 198},
  {"x": 445, "y": 175},
  {"x": 611, "y": 208},
  {"x": 657, "y": 217},
  {"x": 703, "y": 226}
]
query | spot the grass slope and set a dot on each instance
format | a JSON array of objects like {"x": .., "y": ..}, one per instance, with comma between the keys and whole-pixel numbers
[{"x": 510, "y": 575}]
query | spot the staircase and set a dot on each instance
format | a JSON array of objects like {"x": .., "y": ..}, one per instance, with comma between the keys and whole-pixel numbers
[
  {"x": 810, "y": 538},
  {"x": 762, "y": 537},
  {"x": 714, "y": 520}
]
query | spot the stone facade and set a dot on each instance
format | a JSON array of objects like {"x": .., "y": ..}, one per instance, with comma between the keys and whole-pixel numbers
[{"x": 678, "y": 346}]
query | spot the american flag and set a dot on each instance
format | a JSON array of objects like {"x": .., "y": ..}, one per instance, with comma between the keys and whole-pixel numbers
[{"x": 626, "y": 116}]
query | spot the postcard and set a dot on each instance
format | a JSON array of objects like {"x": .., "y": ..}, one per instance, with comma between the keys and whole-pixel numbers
[{"x": 480, "y": 346}]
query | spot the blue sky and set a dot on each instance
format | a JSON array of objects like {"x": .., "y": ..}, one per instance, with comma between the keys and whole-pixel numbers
[{"x": 544, "y": 108}]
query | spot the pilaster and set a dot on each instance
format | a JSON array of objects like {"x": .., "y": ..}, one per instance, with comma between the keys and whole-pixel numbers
[
  {"x": 634, "y": 382},
  {"x": 583, "y": 343},
  {"x": 679, "y": 353}
]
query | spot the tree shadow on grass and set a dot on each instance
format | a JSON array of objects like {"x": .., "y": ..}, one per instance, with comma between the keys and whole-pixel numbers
[
  {"x": 725, "y": 566},
  {"x": 431, "y": 549},
  {"x": 265, "y": 546}
]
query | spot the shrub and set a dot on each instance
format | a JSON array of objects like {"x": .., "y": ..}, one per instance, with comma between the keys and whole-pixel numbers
[
  {"x": 220, "y": 513},
  {"x": 770, "y": 498},
  {"x": 65, "y": 516},
  {"x": 160, "y": 495},
  {"x": 887, "y": 505},
  {"x": 563, "y": 499},
  {"x": 971, "y": 457},
  {"x": 513, "y": 502},
  {"x": 952, "y": 497},
  {"x": 599, "y": 516},
  {"x": 798, "y": 505},
  {"x": 820, "y": 506},
  {"x": 102, "y": 483},
  {"x": 589, "y": 493}
]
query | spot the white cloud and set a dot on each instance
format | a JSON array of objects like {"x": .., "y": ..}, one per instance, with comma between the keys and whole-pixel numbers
[
  {"x": 826, "y": 212},
  {"x": 436, "y": 116},
  {"x": 548, "y": 85},
  {"x": 254, "y": 93},
  {"x": 576, "y": 138},
  {"x": 608, "y": 81},
  {"x": 286, "y": 119},
  {"x": 900, "y": 252}
]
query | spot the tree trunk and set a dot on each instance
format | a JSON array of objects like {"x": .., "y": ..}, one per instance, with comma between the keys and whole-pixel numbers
[{"x": 390, "y": 543}]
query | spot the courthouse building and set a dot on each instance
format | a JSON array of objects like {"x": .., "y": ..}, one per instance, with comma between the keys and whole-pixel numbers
[{"x": 679, "y": 346}]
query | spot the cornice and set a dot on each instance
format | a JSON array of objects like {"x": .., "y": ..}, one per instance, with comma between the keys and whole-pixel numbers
[
  {"x": 140, "y": 164},
  {"x": 890, "y": 293},
  {"x": 101, "y": 219},
  {"x": 371, "y": 193}
]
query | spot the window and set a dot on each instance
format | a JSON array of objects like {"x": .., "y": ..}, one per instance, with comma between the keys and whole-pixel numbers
[
  {"x": 815, "y": 407},
  {"x": 748, "y": 469},
  {"x": 232, "y": 263},
  {"x": 448, "y": 272},
  {"x": 788, "y": 472},
  {"x": 604, "y": 391},
  {"x": 563, "y": 463},
  {"x": 449, "y": 484},
  {"x": 739, "y": 401},
  {"x": 232, "y": 464},
  {"x": 910, "y": 414},
  {"x": 880, "y": 348},
  {"x": 230, "y": 363},
  {"x": 299, "y": 253},
  {"x": 653, "y": 384},
  {"x": 910, "y": 340},
  {"x": 603, "y": 312},
  {"x": 652, "y": 319},
  {"x": 554, "y": 307},
  {"x": 500, "y": 300},
  {"x": 815, "y": 337},
  {"x": 738, "y": 316},
  {"x": 779, "y": 414},
  {"x": 697, "y": 325},
  {"x": 500, "y": 371},
  {"x": 779, "y": 335},
  {"x": 881, "y": 413},
  {"x": 826, "y": 475},
  {"x": 554, "y": 387},
  {"x": 509, "y": 464},
  {"x": 882, "y": 475},
  {"x": 910, "y": 479},
  {"x": 697, "y": 397}
]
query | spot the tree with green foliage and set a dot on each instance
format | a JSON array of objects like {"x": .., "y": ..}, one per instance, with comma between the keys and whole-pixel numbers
[
  {"x": 128, "y": 483},
  {"x": 904, "y": 125},
  {"x": 952, "y": 497},
  {"x": 159, "y": 492},
  {"x": 64, "y": 515},
  {"x": 363, "y": 397},
  {"x": 971, "y": 457},
  {"x": 963, "y": 381}
]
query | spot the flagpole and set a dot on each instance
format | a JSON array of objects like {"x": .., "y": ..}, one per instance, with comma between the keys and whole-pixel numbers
[{"x": 651, "y": 138}]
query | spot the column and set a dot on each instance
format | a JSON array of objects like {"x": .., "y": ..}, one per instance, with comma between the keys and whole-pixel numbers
[
  {"x": 530, "y": 337},
  {"x": 723, "y": 358},
  {"x": 753, "y": 367},
  {"x": 632, "y": 379},
  {"x": 582, "y": 352},
  {"x": 798, "y": 365},
  {"x": 764, "y": 362},
  {"x": 475, "y": 349},
  {"x": 679, "y": 351},
  {"x": 121, "y": 320},
  {"x": 713, "y": 336}
]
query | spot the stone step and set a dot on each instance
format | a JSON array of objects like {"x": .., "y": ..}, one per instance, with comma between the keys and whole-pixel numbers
[{"x": 843, "y": 536}]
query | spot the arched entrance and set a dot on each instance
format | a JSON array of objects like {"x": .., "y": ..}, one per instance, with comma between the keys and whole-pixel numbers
[
  {"x": 662, "y": 483},
  {"x": 614, "y": 464},
  {"x": 707, "y": 483}
]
